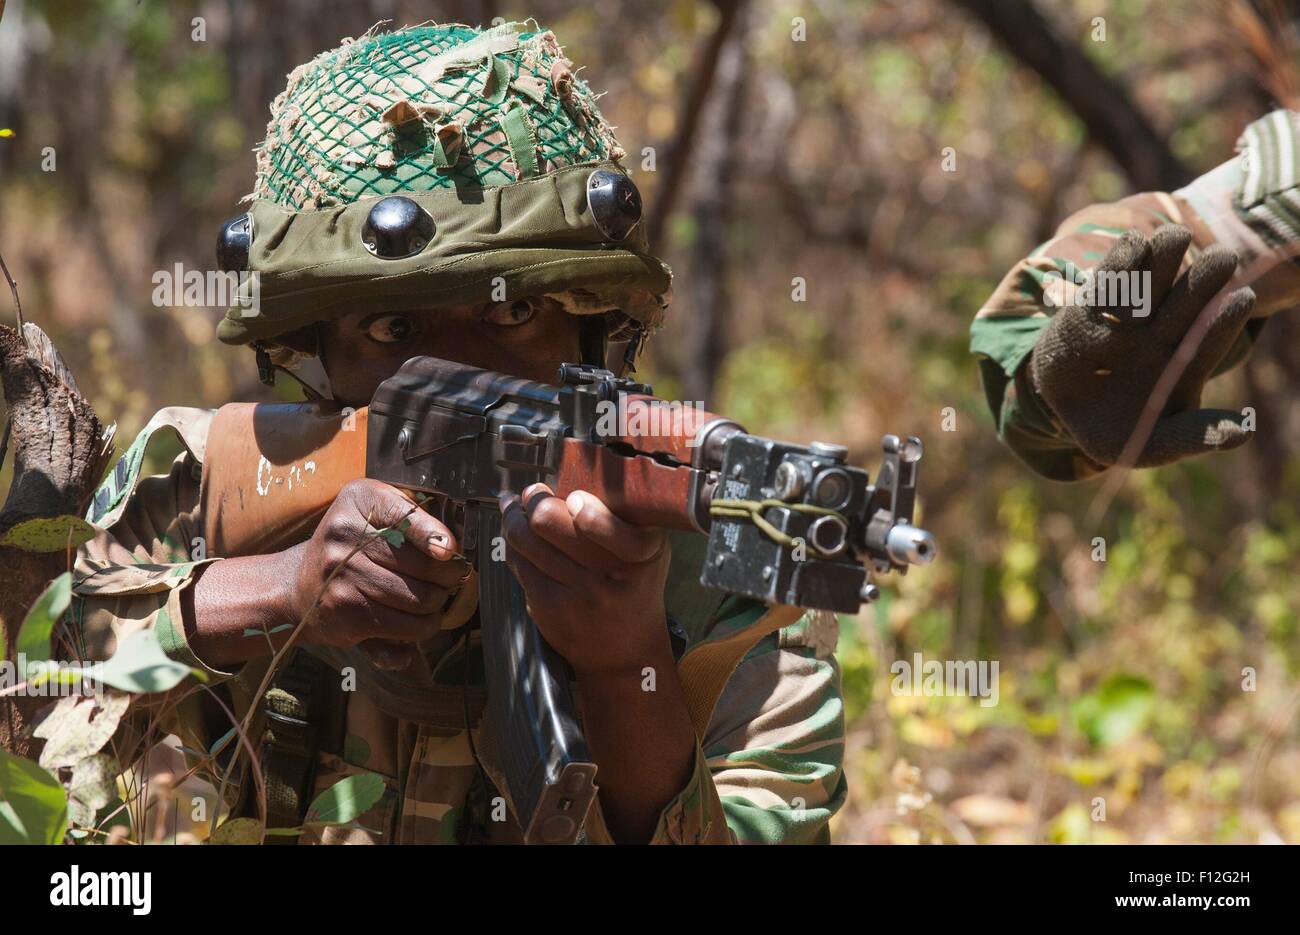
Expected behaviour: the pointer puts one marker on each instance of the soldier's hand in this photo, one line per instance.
(1097, 363)
(352, 585)
(594, 583)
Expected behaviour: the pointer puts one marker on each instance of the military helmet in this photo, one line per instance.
(438, 165)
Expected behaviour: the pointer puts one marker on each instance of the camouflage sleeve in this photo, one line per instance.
(145, 553)
(769, 768)
(1250, 204)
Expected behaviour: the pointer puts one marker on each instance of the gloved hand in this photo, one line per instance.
(1096, 364)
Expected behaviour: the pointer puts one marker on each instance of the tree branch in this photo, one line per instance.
(705, 70)
(1113, 120)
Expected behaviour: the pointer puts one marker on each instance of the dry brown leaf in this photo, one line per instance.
(988, 811)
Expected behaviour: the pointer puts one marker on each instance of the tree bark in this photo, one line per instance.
(60, 450)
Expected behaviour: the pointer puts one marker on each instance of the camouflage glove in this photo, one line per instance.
(1096, 364)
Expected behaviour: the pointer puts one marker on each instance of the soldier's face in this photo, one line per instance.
(527, 338)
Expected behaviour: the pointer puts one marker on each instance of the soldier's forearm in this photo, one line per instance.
(1229, 206)
(238, 609)
(640, 734)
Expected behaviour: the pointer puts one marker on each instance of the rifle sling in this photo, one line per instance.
(303, 716)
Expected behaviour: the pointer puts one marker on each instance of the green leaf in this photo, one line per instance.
(346, 799)
(1116, 710)
(393, 537)
(33, 805)
(38, 625)
(254, 631)
(221, 742)
(49, 671)
(49, 534)
(239, 831)
(141, 666)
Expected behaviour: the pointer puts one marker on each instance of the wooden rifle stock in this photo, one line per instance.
(272, 470)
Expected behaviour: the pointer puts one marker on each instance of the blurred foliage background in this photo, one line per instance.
(815, 133)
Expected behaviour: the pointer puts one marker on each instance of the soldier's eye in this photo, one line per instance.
(390, 329)
(510, 314)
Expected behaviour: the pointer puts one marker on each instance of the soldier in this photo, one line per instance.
(1068, 367)
(504, 264)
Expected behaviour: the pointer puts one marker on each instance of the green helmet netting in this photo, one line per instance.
(426, 108)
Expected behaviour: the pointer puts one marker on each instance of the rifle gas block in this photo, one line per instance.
(787, 524)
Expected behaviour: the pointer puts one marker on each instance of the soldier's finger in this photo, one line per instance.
(552, 520)
(1168, 246)
(406, 593)
(395, 551)
(1191, 433)
(382, 506)
(523, 540)
(1110, 291)
(400, 625)
(599, 526)
(1210, 272)
(541, 591)
(1131, 251)
(1223, 331)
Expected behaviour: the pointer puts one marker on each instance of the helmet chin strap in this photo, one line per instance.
(307, 369)
(630, 352)
(592, 340)
(311, 376)
(317, 373)
(593, 345)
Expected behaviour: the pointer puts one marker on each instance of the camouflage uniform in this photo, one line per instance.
(768, 767)
(1250, 204)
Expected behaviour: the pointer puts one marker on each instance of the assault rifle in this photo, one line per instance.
(786, 524)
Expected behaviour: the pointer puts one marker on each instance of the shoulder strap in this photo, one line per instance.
(190, 425)
(707, 666)
(710, 657)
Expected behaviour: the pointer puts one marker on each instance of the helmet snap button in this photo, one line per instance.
(233, 243)
(614, 202)
(396, 228)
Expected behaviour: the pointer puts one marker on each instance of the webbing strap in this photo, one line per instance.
(286, 763)
(706, 667)
(496, 81)
(303, 717)
(523, 142)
